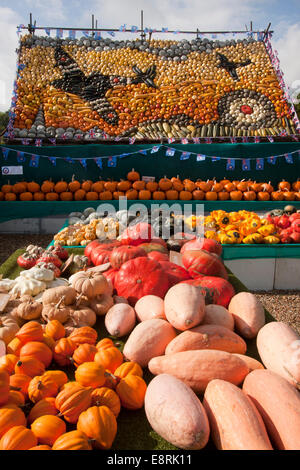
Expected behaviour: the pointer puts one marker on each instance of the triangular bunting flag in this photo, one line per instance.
(83, 162)
(20, 157)
(200, 157)
(5, 152)
(69, 160)
(52, 160)
(98, 162)
(185, 155)
(289, 158)
(34, 161)
(230, 164)
(155, 149)
(272, 160)
(184, 141)
(260, 164)
(246, 164)
(170, 152)
(112, 162)
(143, 151)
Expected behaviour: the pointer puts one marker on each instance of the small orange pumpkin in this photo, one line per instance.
(73, 440)
(98, 423)
(158, 195)
(105, 343)
(84, 334)
(48, 429)
(131, 194)
(47, 186)
(106, 195)
(27, 196)
(223, 195)
(211, 196)
(129, 367)
(106, 397)
(92, 196)
(10, 417)
(40, 387)
(98, 186)
(8, 362)
(55, 329)
(277, 195)
(18, 438)
(37, 350)
(165, 184)
(4, 387)
(86, 185)
(31, 331)
(132, 390)
(46, 406)
(79, 195)
(52, 196)
(123, 185)
(39, 196)
(84, 353)
(133, 175)
(139, 185)
(236, 195)
(109, 358)
(10, 197)
(61, 187)
(29, 366)
(263, 195)
(14, 347)
(74, 185)
(151, 186)
(90, 374)
(59, 377)
(20, 382)
(145, 194)
(72, 401)
(63, 351)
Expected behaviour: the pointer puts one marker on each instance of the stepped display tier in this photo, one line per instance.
(88, 89)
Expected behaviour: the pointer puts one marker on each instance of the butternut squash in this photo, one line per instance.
(120, 320)
(198, 368)
(279, 348)
(250, 362)
(207, 337)
(235, 422)
(248, 313)
(184, 306)
(150, 306)
(218, 315)
(278, 402)
(148, 339)
(181, 420)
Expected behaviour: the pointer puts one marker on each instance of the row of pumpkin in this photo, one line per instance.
(134, 187)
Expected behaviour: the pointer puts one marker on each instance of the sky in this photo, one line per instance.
(174, 14)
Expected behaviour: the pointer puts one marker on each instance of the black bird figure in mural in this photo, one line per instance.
(93, 88)
(231, 67)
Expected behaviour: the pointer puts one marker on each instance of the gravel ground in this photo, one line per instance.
(282, 305)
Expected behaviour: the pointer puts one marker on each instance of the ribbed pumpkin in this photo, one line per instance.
(74, 185)
(27, 196)
(48, 429)
(6, 188)
(90, 284)
(50, 342)
(47, 186)
(46, 406)
(90, 374)
(84, 353)
(111, 381)
(19, 188)
(4, 387)
(63, 351)
(37, 350)
(18, 438)
(105, 343)
(104, 396)
(127, 368)
(15, 398)
(109, 358)
(72, 401)
(132, 390)
(82, 335)
(86, 185)
(98, 423)
(145, 194)
(39, 196)
(14, 347)
(73, 440)
(10, 197)
(40, 387)
(59, 377)
(41, 447)
(165, 184)
(20, 382)
(98, 186)
(61, 186)
(29, 366)
(52, 196)
(55, 329)
(133, 175)
(79, 195)
(10, 417)
(8, 362)
(31, 331)
(66, 196)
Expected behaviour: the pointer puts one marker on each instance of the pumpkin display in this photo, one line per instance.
(84, 334)
(10, 417)
(90, 374)
(63, 351)
(8, 362)
(31, 331)
(29, 366)
(38, 350)
(106, 397)
(48, 428)
(99, 424)
(84, 353)
(58, 376)
(45, 406)
(73, 440)
(55, 330)
(109, 358)
(128, 367)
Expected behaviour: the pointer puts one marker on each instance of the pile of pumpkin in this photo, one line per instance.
(135, 188)
(42, 409)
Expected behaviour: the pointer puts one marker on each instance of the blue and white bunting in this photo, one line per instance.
(155, 149)
(59, 33)
(69, 160)
(83, 162)
(122, 28)
(21, 157)
(185, 155)
(289, 158)
(48, 31)
(259, 164)
(272, 160)
(86, 34)
(246, 164)
(98, 162)
(143, 152)
(72, 34)
(200, 157)
(52, 160)
(112, 162)
(111, 33)
(5, 152)
(170, 152)
(134, 29)
(34, 161)
(230, 164)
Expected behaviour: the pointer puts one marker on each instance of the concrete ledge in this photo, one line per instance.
(41, 226)
(287, 274)
(256, 274)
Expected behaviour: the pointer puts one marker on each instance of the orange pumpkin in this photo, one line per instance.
(106, 397)
(98, 186)
(217, 187)
(133, 175)
(127, 368)
(211, 196)
(4, 387)
(189, 185)
(284, 185)
(86, 185)
(204, 185)
(63, 351)
(73, 440)
(1, 196)
(52, 196)
(15, 398)
(171, 194)
(198, 195)
(295, 185)
(98, 423)
(10, 417)
(31, 331)
(39, 196)
(267, 187)
(109, 358)
(92, 196)
(61, 187)
(242, 186)
(223, 196)
(14, 347)
(19, 188)
(82, 335)
(84, 353)
(66, 196)
(118, 194)
(8, 362)
(47, 186)
(55, 329)
(132, 390)
(72, 401)
(185, 195)
(10, 197)
(27, 196)
(18, 438)
(263, 196)
(123, 185)
(236, 195)
(41, 447)
(37, 350)
(277, 195)
(151, 186)
(132, 194)
(40, 387)
(106, 195)
(158, 195)
(90, 374)
(139, 185)
(257, 187)
(165, 184)
(289, 195)
(110, 186)
(46, 406)
(105, 343)
(79, 195)
(145, 194)
(29, 366)
(177, 184)
(20, 382)
(74, 185)
(6, 188)
(59, 377)
(50, 342)
(48, 429)
(249, 195)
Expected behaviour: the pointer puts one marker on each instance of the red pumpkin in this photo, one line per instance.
(215, 289)
(203, 244)
(141, 276)
(174, 272)
(137, 234)
(121, 254)
(158, 256)
(159, 241)
(152, 246)
(110, 275)
(96, 246)
(205, 263)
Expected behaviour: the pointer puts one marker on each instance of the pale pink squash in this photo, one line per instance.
(198, 368)
(250, 361)
(148, 339)
(279, 348)
(120, 320)
(235, 422)
(176, 413)
(150, 306)
(278, 402)
(207, 337)
(248, 313)
(218, 315)
(184, 306)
